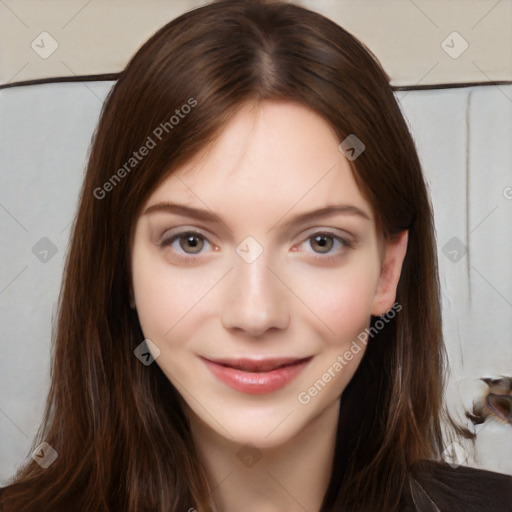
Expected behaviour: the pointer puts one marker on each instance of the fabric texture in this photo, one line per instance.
(438, 487)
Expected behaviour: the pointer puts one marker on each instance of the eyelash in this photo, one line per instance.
(326, 257)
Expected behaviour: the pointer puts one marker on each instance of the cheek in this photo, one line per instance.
(153, 294)
(166, 297)
(340, 298)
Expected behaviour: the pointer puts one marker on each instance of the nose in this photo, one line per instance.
(255, 300)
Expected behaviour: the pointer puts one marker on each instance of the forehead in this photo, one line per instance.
(271, 157)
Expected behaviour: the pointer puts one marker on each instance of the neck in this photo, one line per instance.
(293, 476)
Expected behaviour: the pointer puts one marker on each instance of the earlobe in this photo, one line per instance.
(394, 254)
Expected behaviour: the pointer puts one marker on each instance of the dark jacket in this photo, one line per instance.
(437, 487)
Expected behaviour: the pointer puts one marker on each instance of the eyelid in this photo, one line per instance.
(337, 233)
(175, 232)
(179, 230)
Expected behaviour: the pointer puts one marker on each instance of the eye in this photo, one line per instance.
(326, 243)
(187, 242)
(322, 242)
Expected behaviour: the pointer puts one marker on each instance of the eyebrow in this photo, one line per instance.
(208, 216)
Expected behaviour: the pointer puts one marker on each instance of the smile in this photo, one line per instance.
(256, 376)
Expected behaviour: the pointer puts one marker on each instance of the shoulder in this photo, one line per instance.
(438, 487)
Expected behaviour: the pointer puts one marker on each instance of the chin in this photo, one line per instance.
(263, 425)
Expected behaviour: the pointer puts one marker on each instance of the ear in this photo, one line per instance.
(393, 257)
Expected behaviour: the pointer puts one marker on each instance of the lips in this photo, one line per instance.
(259, 366)
(256, 376)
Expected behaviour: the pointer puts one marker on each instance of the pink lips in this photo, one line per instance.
(256, 376)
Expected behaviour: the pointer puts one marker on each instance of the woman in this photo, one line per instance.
(250, 313)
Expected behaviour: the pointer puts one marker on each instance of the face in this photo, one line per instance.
(255, 267)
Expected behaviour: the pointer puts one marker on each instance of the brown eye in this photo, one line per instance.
(186, 245)
(321, 243)
(190, 243)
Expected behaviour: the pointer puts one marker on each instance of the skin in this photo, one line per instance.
(273, 161)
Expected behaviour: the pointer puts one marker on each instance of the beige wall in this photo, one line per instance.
(99, 36)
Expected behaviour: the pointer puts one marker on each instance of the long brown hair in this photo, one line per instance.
(117, 425)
